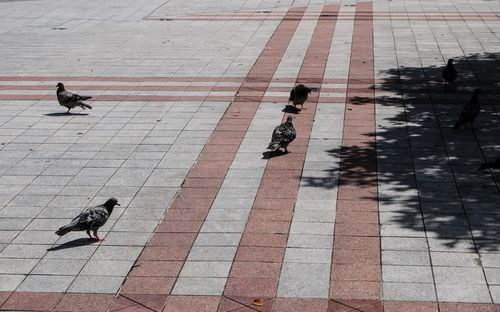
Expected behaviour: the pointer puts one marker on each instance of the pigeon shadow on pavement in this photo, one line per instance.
(271, 154)
(74, 243)
(58, 114)
(426, 172)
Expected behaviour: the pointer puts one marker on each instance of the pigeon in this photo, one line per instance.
(90, 219)
(495, 164)
(470, 110)
(283, 135)
(449, 72)
(71, 100)
(299, 95)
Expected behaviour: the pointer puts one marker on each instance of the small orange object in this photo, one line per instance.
(258, 302)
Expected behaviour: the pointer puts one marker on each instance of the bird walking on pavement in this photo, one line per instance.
(91, 219)
(283, 135)
(449, 72)
(299, 95)
(469, 111)
(70, 100)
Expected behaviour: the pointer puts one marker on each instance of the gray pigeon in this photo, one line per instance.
(449, 72)
(71, 100)
(470, 110)
(91, 219)
(495, 164)
(299, 95)
(283, 135)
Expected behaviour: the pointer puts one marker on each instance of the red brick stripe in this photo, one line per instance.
(255, 271)
(356, 271)
(161, 260)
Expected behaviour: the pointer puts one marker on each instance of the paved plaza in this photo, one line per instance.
(379, 206)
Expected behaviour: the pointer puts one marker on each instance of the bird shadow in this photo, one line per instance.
(291, 109)
(74, 243)
(271, 154)
(65, 114)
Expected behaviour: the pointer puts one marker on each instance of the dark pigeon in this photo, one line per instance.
(91, 219)
(283, 135)
(299, 95)
(449, 72)
(494, 164)
(470, 111)
(71, 100)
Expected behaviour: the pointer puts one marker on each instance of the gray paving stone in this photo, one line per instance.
(205, 269)
(409, 291)
(7, 236)
(117, 252)
(495, 293)
(10, 282)
(217, 239)
(463, 293)
(58, 267)
(208, 253)
(24, 251)
(126, 239)
(455, 259)
(304, 280)
(308, 255)
(17, 266)
(46, 283)
(223, 226)
(311, 228)
(407, 274)
(70, 252)
(107, 268)
(404, 243)
(310, 241)
(404, 257)
(457, 275)
(199, 286)
(96, 284)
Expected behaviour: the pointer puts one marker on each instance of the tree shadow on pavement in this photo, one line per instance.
(428, 182)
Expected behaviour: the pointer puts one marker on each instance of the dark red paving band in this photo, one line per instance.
(256, 269)
(356, 270)
(162, 259)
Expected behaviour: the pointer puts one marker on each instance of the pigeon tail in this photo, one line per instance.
(458, 124)
(273, 146)
(84, 106)
(64, 230)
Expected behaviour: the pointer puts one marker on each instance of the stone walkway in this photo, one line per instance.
(378, 207)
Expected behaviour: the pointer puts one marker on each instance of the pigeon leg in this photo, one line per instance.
(97, 237)
(68, 111)
(88, 233)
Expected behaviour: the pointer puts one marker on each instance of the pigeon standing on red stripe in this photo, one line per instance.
(71, 100)
(470, 111)
(283, 135)
(91, 219)
(299, 95)
(449, 72)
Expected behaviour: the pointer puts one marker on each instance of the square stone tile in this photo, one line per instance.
(308, 255)
(463, 293)
(409, 291)
(208, 253)
(96, 284)
(9, 282)
(405, 257)
(458, 275)
(58, 267)
(205, 269)
(304, 280)
(107, 268)
(407, 274)
(46, 283)
(199, 286)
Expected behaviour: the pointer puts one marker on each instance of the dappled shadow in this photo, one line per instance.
(428, 182)
(74, 243)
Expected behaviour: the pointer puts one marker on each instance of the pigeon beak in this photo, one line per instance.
(118, 204)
